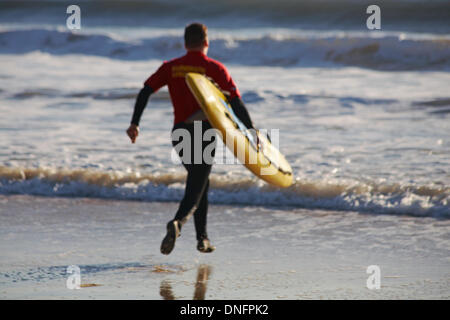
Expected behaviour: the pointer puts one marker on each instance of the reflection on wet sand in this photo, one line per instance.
(203, 273)
(165, 290)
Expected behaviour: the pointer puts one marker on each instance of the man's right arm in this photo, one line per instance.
(223, 78)
(241, 111)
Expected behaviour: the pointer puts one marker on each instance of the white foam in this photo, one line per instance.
(384, 199)
(382, 52)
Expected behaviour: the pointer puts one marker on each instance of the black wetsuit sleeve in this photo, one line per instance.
(241, 112)
(141, 103)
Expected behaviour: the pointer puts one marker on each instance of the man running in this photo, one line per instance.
(186, 111)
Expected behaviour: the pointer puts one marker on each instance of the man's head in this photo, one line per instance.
(196, 37)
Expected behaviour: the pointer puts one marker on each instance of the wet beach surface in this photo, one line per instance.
(262, 252)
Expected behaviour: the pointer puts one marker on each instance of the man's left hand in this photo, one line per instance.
(133, 132)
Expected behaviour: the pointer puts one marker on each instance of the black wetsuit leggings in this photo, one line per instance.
(195, 200)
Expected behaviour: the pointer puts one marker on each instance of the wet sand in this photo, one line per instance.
(262, 252)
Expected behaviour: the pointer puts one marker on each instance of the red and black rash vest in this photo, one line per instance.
(172, 73)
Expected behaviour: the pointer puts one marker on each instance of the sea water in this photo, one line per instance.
(363, 116)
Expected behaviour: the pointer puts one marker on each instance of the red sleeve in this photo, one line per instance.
(222, 77)
(158, 79)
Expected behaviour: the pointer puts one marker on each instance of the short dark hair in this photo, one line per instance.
(195, 35)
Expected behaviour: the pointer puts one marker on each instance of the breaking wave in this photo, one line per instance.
(380, 53)
(369, 197)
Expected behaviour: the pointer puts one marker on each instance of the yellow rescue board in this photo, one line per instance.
(263, 159)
